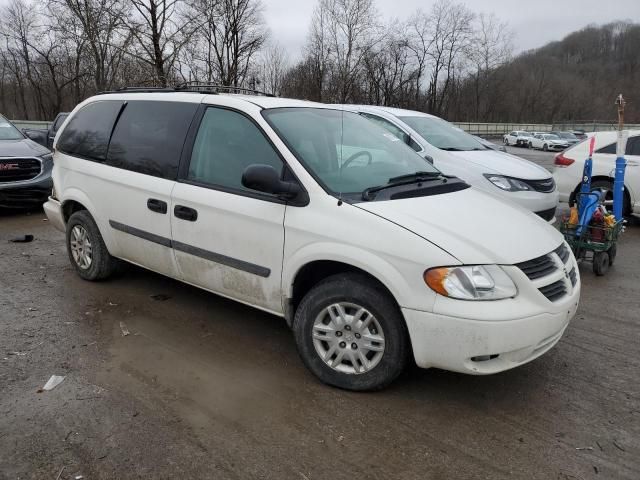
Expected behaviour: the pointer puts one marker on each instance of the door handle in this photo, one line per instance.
(156, 205)
(185, 213)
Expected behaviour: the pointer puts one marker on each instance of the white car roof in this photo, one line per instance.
(398, 112)
(194, 97)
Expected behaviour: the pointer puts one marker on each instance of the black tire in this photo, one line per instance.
(545, 147)
(612, 252)
(361, 290)
(600, 263)
(530, 145)
(505, 141)
(608, 186)
(102, 263)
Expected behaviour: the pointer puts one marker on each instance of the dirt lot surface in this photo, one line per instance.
(203, 387)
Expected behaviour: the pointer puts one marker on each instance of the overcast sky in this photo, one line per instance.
(535, 22)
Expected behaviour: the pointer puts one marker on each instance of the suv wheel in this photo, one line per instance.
(351, 334)
(506, 141)
(87, 251)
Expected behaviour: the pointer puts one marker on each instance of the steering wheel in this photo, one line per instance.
(356, 155)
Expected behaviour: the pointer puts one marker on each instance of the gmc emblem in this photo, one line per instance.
(9, 166)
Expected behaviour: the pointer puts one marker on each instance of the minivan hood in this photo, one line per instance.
(493, 161)
(21, 148)
(473, 226)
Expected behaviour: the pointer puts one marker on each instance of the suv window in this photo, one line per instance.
(87, 133)
(226, 144)
(394, 130)
(633, 147)
(149, 137)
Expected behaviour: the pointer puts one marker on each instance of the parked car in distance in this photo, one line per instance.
(384, 256)
(547, 141)
(580, 134)
(45, 136)
(569, 137)
(569, 166)
(25, 169)
(490, 144)
(519, 138)
(455, 152)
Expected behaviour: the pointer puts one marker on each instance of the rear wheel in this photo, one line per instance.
(600, 263)
(351, 334)
(607, 187)
(545, 147)
(612, 252)
(86, 249)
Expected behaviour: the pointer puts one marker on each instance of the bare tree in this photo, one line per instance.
(273, 65)
(100, 24)
(158, 35)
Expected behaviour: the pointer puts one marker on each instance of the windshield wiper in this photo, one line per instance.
(408, 179)
(452, 149)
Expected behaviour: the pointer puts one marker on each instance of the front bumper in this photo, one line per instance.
(53, 210)
(481, 347)
(27, 194)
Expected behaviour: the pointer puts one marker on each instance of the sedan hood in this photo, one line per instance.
(492, 161)
(473, 226)
(21, 148)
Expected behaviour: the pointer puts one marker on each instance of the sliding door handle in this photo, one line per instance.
(185, 213)
(156, 205)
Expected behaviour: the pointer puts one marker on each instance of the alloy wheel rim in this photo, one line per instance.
(81, 249)
(348, 338)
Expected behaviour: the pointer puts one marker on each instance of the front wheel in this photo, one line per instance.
(505, 141)
(545, 147)
(350, 333)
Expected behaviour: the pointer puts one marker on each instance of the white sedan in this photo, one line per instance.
(548, 141)
(519, 138)
(570, 164)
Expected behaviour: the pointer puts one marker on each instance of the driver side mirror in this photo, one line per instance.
(36, 136)
(265, 178)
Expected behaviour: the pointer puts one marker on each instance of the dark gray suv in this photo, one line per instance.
(25, 169)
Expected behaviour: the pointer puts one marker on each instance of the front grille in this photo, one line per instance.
(545, 186)
(554, 291)
(538, 267)
(547, 214)
(563, 252)
(18, 169)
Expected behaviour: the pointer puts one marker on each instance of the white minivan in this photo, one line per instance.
(319, 216)
(455, 152)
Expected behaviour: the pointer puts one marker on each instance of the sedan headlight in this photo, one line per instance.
(476, 282)
(507, 183)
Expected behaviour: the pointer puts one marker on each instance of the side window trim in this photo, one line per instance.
(187, 150)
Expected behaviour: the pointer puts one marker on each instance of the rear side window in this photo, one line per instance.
(633, 147)
(87, 133)
(149, 137)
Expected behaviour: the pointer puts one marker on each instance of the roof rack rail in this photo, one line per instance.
(206, 87)
(191, 87)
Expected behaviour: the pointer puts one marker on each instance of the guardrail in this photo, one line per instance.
(497, 129)
(30, 124)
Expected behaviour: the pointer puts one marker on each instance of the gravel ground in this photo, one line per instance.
(203, 387)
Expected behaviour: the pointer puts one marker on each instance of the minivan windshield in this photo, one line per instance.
(443, 135)
(8, 131)
(346, 152)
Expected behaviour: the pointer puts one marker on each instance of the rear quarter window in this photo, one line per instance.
(87, 133)
(149, 137)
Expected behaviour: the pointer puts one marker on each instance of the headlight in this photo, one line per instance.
(478, 282)
(507, 183)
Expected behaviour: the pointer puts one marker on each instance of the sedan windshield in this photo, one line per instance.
(567, 135)
(551, 137)
(8, 131)
(443, 135)
(346, 152)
